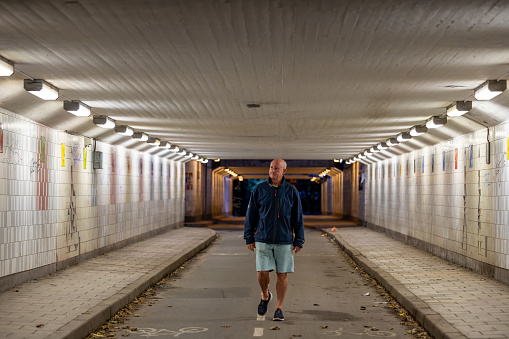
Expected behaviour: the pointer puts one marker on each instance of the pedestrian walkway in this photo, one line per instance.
(448, 300)
(74, 302)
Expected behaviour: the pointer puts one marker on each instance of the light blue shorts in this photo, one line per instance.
(270, 256)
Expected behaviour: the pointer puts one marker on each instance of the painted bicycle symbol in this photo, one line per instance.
(381, 334)
(152, 332)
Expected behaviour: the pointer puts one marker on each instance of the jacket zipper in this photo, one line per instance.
(276, 218)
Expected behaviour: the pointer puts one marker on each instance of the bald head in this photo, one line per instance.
(277, 171)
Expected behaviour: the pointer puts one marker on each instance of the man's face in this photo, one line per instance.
(276, 170)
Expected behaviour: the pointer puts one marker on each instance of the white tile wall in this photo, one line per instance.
(31, 236)
(463, 209)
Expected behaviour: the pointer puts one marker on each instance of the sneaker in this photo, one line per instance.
(262, 306)
(278, 315)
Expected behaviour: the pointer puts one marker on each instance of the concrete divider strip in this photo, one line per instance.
(432, 321)
(89, 321)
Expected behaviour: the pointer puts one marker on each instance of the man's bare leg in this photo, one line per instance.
(281, 286)
(264, 280)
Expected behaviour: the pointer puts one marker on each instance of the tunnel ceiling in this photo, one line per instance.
(331, 78)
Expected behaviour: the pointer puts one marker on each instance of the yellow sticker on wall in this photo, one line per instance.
(85, 158)
(507, 146)
(399, 169)
(63, 155)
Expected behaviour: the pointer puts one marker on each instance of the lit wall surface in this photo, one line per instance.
(448, 196)
(54, 206)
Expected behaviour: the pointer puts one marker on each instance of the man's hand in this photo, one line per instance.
(297, 249)
(251, 247)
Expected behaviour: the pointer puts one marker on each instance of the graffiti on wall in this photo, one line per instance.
(113, 194)
(41, 167)
(72, 235)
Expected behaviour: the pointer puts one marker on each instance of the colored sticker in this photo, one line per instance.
(43, 149)
(399, 169)
(63, 155)
(85, 158)
(423, 164)
(443, 161)
(471, 155)
(455, 158)
(1, 138)
(507, 146)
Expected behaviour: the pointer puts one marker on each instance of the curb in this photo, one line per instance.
(86, 323)
(432, 321)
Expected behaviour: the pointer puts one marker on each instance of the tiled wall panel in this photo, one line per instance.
(53, 208)
(448, 195)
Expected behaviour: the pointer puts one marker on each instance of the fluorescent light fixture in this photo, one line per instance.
(104, 121)
(490, 89)
(205, 161)
(392, 142)
(41, 89)
(175, 149)
(360, 156)
(382, 145)
(165, 144)
(140, 136)
(196, 157)
(367, 153)
(374, 149)
(189, 155)
(336, 160)
(402, 137)
(459, 108)
(124, 130)
(436, 122)
(217, 160)
(183, 152)
(418, 130)
(153, 141)
(6, 67)
(77, 108)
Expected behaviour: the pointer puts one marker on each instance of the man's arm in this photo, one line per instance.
(297, 222)
(251, 222)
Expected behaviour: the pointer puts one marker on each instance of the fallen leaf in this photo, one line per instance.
(325, 326)
(363, 308)
(169, 306)
(274, 328)
(225, 326)
(296, 335)
(366, 294)
(39, 325)
(374, 329)
(137, 315)
(316, 305)
(134, 329)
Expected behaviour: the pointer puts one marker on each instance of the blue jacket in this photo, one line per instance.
(274, 216)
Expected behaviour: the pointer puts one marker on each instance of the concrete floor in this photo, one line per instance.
(217, 294)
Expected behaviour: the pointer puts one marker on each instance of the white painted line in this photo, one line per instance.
(230, 253)
(260, 318)
(258, 332)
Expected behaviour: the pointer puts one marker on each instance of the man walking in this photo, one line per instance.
(274, 226)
